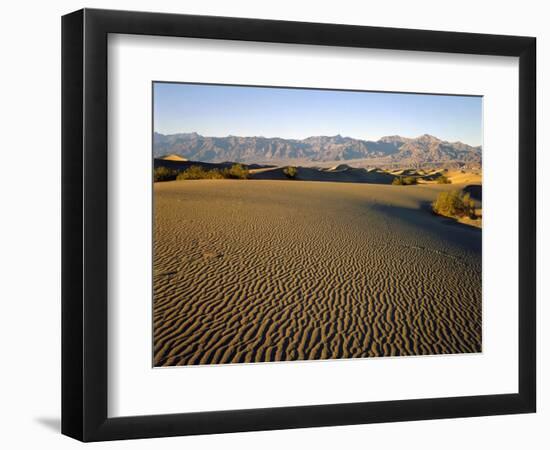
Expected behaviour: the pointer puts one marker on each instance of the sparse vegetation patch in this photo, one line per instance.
(236, 171)
(454, 204)
(404, 181)
(164, 174)
(198, 173)
(290, 172)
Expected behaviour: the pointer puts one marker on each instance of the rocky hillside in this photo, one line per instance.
(423, 150)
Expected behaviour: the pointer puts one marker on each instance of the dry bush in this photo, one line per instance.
(164, 174)
(443, 180)
(237, 171)
(194, 173)
(404, 181)
(454, 204)
(290, 172)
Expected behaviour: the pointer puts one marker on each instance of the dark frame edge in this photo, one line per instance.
(72, 323)
(170, 425)
(527, 289)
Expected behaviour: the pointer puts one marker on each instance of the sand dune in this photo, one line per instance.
(253, 271)
(173, 157)
(466, 177)
(341, 173)
(339, 168)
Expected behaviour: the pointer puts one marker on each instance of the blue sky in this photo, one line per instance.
(217, 110)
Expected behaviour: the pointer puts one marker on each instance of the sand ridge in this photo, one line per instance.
(260, 270)
(173, 157)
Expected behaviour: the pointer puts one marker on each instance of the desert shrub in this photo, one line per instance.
(404, 181)
(397, 181)
(215, 174)
(237, 171)
(290, 172)
(442, 179)
(198, 173)
(193, 173)
(164, 174)
(454, 204)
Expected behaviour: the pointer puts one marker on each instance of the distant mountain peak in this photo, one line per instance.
(428, 137)
(394, 149)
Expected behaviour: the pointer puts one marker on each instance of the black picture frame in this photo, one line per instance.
(84, 224)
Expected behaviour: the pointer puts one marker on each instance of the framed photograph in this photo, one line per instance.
(273, 225)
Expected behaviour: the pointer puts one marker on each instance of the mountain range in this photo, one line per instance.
(389, 150)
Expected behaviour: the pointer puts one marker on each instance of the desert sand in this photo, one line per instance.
(263, 270)
(173, 157)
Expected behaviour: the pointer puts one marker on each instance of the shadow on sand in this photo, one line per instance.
(445, 229)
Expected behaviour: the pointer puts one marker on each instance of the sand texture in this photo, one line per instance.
(261, 270)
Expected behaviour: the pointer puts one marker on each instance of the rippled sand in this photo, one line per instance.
(254, 271)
